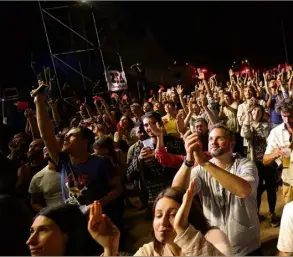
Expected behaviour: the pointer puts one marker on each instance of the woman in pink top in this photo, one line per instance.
(179, 228)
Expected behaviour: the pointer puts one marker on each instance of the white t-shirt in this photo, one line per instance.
(47, 182)
(285, 241)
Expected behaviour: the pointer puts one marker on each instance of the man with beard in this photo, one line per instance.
(45, 186)
(28, 170)
(136, 182)
(228, 184)
(84, 177)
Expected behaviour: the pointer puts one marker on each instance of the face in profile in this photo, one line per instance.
(236, 95)
(165, 212)
(288, 119)
(35, 150)
(124, 122)
(46, 238)
(73, 141)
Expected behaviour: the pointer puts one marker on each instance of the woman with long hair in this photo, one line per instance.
(61, 231)
(179, 228)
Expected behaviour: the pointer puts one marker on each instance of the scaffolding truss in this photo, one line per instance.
(55, 57)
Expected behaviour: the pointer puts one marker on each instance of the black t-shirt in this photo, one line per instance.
(86, 182)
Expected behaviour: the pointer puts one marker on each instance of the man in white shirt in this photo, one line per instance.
(285, 241)
(228, 184)
(281, 137)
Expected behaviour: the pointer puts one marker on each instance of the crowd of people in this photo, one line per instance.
(199, 162)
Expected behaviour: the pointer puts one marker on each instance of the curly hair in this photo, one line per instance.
(285, 105)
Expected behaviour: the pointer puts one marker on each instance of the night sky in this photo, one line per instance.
(213, 34)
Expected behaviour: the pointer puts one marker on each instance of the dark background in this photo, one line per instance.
(209, 34)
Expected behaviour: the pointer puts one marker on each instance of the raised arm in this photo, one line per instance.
(180, 94)
(55, 112)
(211, 116)
(32, 123)
(182, 177)
(46, 128)
(237, 185)
(107, 110)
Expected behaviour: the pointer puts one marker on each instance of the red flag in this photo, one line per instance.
(22, 105)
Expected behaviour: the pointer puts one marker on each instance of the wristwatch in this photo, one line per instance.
(188, 163)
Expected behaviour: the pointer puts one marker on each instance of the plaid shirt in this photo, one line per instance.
(154, 176)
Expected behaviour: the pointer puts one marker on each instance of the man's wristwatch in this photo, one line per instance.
(189, 164)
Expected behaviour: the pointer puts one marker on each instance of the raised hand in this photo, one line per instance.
(204, 101)
(179, 89)
(200, 74)
(190, 103)
(52, 103)
(231, 73)
(157, 130)
(102, 230)
(28, 113)
(181, 219)
(180, 122)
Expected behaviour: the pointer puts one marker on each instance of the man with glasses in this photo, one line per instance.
(280, 145)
